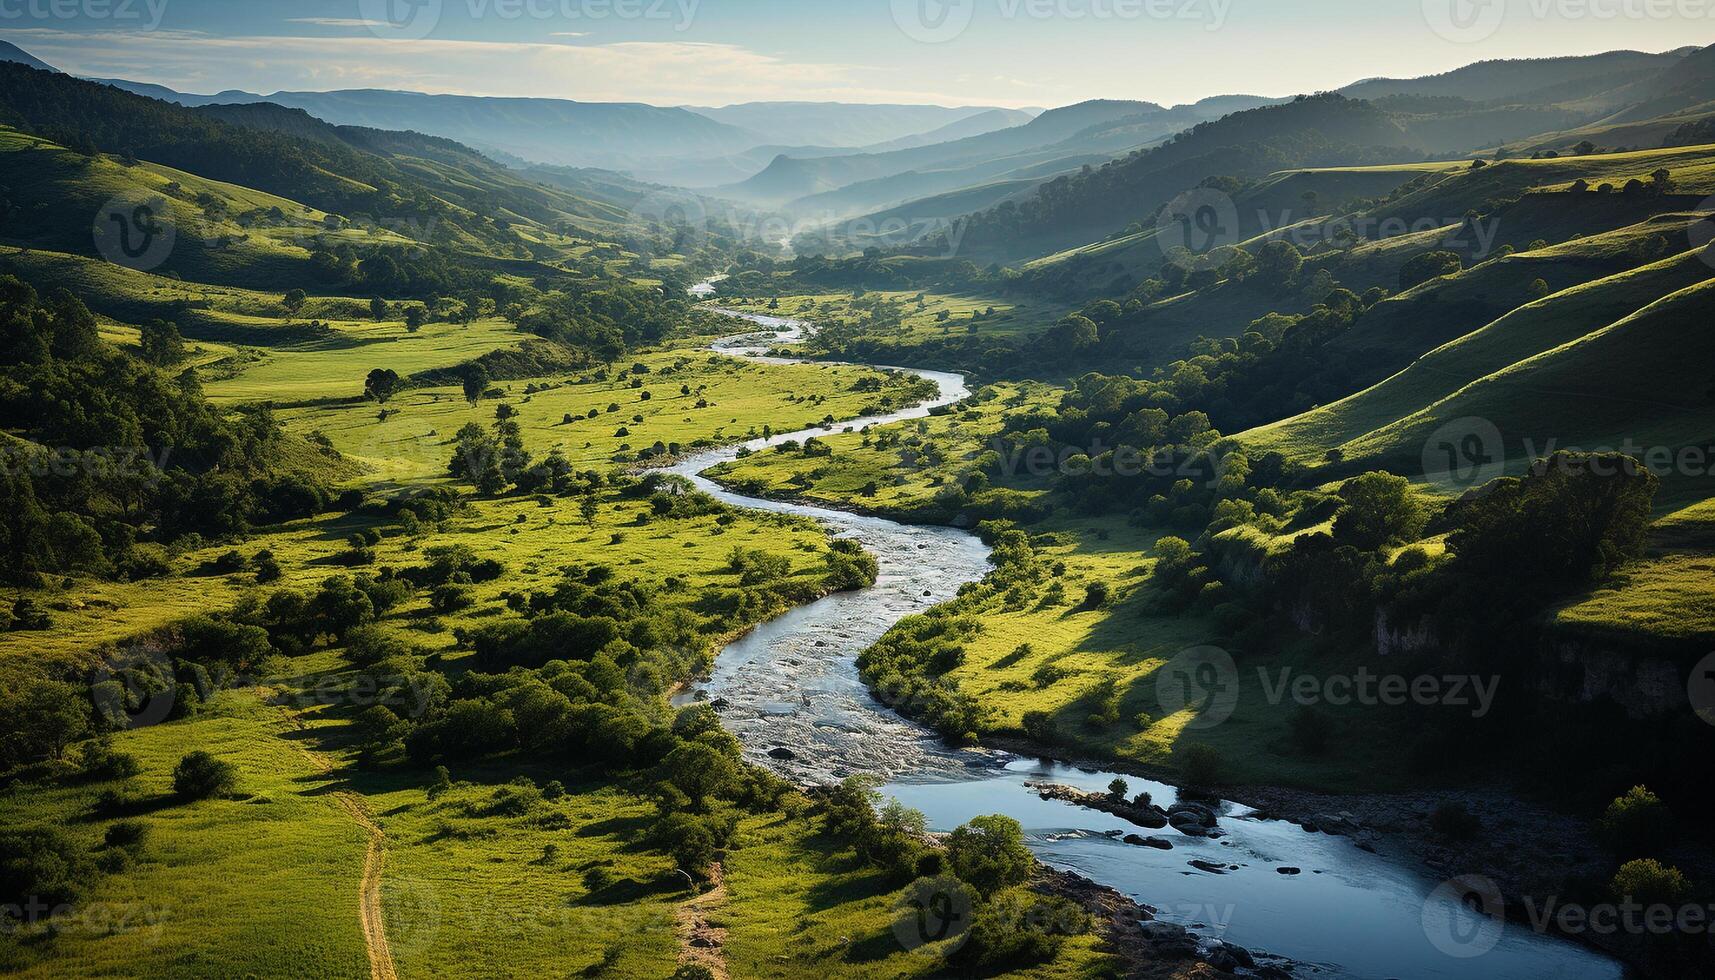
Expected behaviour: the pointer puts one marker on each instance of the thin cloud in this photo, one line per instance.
(660, 72)
(334, 22)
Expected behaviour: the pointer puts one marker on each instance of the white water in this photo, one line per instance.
(792, 684)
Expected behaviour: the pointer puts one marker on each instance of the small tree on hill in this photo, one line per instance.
(162, 344)
(381, 384)
(200, 775)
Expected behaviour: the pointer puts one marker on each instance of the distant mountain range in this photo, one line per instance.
(1111, 162)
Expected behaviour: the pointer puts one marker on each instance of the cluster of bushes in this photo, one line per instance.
(115, 457)
(906, 668)
(964, 890)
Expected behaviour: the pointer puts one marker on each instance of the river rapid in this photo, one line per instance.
(790, 691)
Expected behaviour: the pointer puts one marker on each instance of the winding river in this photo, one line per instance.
(790, 691)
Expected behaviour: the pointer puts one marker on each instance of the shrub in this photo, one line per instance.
(97, 760)
(369, 645)
(1200, 764)
(200, 775)
(1649, 882)
(989, 853)
(1018, 930)
(44, 864)
(1095, 595)
(450, 598)
(129, 835)
(1636, 823)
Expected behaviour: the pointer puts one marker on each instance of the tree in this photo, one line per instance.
(1278, 263)
(475, 383)
(1584, 148)
(378, 308)
(1380, 509)
(699, 771)
(414, 318)
(293, 300)
(1429, 265)
(1661, 180)
(163, 346)
(1073, 334)
(200, 775)
(989, 854)
(40, 719)
(381, 384)
(1572, 520)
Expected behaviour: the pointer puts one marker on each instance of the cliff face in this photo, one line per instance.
(1646, 683)
(1580, 671)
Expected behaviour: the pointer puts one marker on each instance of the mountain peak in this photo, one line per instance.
(11, 52)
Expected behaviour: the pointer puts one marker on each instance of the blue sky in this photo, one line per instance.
(713, 52)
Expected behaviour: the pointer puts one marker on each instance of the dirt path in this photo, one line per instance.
(701, 942)
(369, 889)
(369, 892)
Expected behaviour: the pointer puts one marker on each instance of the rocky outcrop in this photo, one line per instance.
(1402, 639)
(1645, 685)
(1135, 811)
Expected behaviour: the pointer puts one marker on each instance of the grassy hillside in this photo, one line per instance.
(1529, 330)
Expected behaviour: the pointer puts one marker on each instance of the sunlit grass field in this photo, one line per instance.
(742, 399)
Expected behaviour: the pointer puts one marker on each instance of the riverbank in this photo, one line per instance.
(791, 693)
